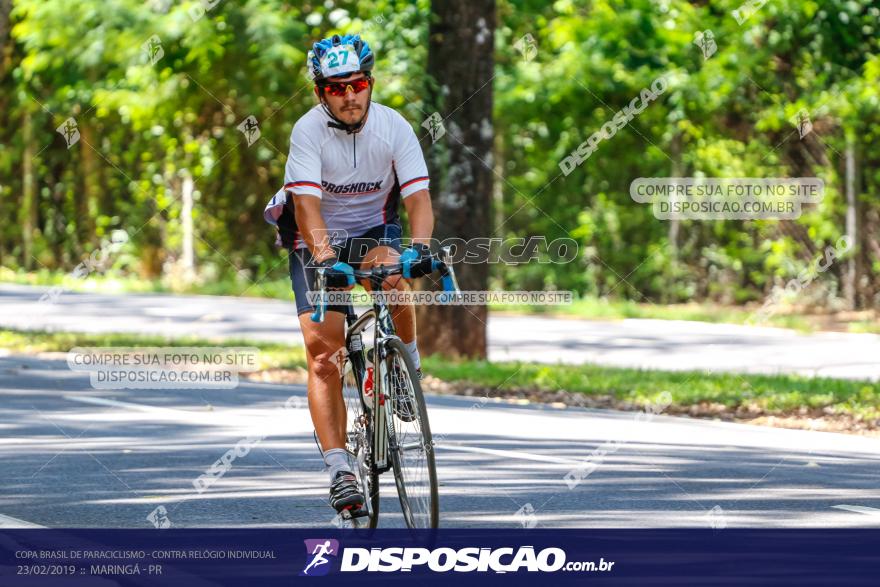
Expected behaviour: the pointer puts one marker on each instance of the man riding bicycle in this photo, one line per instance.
(351, 162)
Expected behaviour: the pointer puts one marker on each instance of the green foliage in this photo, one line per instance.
(146, 127)
(725, 116)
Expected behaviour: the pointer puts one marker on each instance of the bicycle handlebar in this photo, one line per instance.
(439, 262)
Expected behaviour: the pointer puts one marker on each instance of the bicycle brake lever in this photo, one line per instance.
(318, 314)
(450, 283)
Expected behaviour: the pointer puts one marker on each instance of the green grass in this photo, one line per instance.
(777, 394)
(583, 308)
(271, 355)
(865, 326)
(279, 288)
(603, 309)
(113, 283)
(769, 393)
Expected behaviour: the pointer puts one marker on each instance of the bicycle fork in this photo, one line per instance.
(384, 437)
(376, 408)
(380, 416)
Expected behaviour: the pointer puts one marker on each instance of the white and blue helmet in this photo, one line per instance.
(339, 56)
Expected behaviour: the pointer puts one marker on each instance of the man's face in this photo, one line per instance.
(350, 107)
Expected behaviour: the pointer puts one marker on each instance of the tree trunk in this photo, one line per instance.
(91, 178)
(674, 224)
(9, 234)
(850, 277)
(29, 196)
(461, 61)
(186, 217)
(5, 48)
(498, 196)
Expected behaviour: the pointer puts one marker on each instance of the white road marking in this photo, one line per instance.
(277, 420)
(859, 509)
(511, 454)
(103, 401)
(8, 523)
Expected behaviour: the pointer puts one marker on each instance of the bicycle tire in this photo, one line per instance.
(358, 441)
(427, 516)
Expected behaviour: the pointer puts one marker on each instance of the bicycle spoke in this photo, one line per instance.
(416, 483)
(358, 443)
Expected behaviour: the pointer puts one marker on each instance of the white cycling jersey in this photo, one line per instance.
(360, 177)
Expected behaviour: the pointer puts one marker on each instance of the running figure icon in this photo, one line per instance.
(319, 551)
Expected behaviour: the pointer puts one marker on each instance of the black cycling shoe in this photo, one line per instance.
(345, 494)
(404, 406)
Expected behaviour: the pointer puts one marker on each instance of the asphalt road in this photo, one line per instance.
(74, 456)
(653, 344)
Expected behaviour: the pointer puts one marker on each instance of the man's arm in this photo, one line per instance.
(421, 216)
(412, 173)
(302, 177)
(311, 226)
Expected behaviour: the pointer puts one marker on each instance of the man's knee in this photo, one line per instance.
(327, 364)
(385, 255)
(325, 344)
(396, 282)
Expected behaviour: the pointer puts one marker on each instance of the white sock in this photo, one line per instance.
(414, 353)
(337, 460)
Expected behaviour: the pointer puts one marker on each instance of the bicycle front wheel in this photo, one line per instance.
(411, 447)
(358, 442)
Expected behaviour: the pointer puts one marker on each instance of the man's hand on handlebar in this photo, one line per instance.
(441, 262)
(417, 261)
(337, 275)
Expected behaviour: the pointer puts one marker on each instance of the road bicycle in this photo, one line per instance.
(386, 418)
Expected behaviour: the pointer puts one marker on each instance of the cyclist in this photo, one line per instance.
(351, 162)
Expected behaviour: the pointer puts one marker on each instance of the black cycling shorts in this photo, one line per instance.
(352, 251)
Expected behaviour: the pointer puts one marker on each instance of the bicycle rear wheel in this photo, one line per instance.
(411, 447)
(358, 443)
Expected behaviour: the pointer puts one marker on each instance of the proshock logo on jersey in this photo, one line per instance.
(363, 187)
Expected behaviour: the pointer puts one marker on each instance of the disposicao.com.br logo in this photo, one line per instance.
(443, 559)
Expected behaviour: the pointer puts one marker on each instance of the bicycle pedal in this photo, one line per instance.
(351, 514)
(347, 522)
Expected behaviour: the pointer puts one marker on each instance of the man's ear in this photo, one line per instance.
(320, 95)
